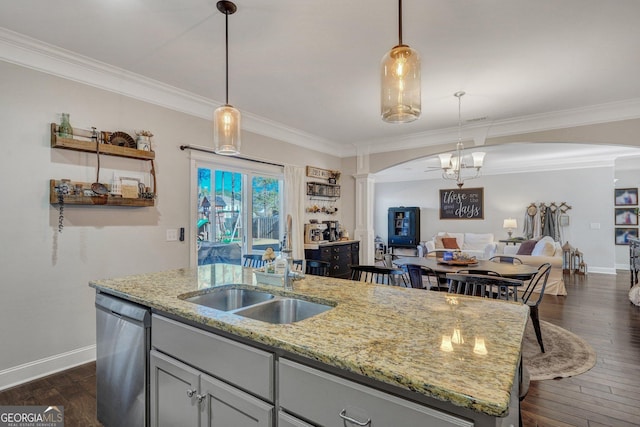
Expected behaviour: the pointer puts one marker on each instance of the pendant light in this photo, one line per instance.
(226, 119)
(400, 81)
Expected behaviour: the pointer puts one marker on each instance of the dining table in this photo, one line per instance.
(441, 267)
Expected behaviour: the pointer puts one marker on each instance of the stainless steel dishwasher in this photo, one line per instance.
(123, 335)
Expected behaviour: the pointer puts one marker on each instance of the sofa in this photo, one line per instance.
(480, 245)
(542, 251)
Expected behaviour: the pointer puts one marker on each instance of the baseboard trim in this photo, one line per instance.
(40, 368)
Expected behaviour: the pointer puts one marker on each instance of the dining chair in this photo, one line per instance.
(378, 274)
(483, 285)
(533, 297)
(506, 259)
(317, 268)
(253, 260)
(414, 272)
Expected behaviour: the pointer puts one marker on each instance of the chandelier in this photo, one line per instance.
(454, 166)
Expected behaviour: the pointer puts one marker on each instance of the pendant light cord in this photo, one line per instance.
(399, 22)
(226, 49)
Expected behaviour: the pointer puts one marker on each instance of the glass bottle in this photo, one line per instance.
(65, 130)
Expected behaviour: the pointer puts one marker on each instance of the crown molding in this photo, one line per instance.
(30, 53)
(562, 119)
(27, 52)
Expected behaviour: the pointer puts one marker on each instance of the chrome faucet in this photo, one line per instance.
(289, 275)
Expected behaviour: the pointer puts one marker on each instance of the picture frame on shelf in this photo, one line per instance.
(626, 196)
(623, 234)
(626, 216)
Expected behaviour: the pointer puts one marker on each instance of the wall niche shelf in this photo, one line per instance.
(78, 189)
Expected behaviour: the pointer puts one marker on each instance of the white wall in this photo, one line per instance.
(46, 307)
(588, 191)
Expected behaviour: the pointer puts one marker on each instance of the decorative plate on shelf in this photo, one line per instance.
(122, 139)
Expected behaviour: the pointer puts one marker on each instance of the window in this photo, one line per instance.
(238, 210)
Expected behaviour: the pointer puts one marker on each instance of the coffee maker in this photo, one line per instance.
(332, 232)
(314, 233)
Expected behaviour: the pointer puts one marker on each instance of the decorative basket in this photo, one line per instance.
(269, 278)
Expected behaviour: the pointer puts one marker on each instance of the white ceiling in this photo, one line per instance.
(313, 66)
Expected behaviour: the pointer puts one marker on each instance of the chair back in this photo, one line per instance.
(539, 281)
(483, 285)
(415, 275)
(253, 260)
(506, 259)
(377, 274)
(317, 268)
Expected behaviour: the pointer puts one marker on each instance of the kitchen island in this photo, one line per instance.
(400, 343)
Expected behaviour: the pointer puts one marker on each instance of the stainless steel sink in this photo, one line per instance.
(230, 299)
(284, 310)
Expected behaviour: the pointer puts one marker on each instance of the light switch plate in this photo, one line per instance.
(172, 235)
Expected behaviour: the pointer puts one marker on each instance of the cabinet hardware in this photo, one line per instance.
(200, 397)
(191, 392)
(343, 415)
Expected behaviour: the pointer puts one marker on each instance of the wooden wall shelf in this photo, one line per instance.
(90, 147)
(108, 200)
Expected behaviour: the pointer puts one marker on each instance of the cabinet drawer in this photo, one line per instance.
(327, 400)
(216, 355)
(286, 420)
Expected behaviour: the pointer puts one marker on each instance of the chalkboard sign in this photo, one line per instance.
(467, 203)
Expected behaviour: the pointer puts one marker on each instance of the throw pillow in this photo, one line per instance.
(526, 247)
(450, 243)
(544, 247)
(438, 242)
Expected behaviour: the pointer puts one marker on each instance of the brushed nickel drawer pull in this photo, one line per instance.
(343, 415)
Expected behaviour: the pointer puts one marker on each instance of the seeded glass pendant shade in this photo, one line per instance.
(226, 130)
(400, 100)
(226, 119)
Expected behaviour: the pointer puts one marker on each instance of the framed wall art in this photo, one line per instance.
(462, 203)
(624, 234)
(626, 196)
(626, 216)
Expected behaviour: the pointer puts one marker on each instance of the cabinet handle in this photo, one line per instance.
(200, 397)
(343, 415)
(191, 392)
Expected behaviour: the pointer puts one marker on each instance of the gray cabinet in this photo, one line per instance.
(328, 400)
(202, 379)
(174, 387)
(184, 396)
(286, 420)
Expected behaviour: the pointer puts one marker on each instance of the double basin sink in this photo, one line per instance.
(259, 305)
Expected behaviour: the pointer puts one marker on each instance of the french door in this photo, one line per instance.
(237, 209)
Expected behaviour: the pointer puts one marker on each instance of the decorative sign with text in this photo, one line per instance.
(467, 203)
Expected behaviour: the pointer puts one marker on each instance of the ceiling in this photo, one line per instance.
(312, 67)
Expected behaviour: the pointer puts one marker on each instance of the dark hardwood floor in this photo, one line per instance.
(597, 308)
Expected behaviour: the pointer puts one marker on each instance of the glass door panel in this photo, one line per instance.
(266, 205)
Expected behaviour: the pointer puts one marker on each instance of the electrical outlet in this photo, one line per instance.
(172, 235)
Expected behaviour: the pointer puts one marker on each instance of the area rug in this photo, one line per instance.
(566, 354)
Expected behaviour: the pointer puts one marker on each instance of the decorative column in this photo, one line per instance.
(364, 231)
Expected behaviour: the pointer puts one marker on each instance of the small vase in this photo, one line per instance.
(143, 143)
(65, 130)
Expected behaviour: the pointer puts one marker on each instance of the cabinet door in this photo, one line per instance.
(286, 420)
(174, 389)
(226, 406)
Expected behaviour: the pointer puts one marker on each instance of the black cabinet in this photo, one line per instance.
(339, 256)
(404, 227)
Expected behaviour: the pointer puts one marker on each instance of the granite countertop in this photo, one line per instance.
(399, 336)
